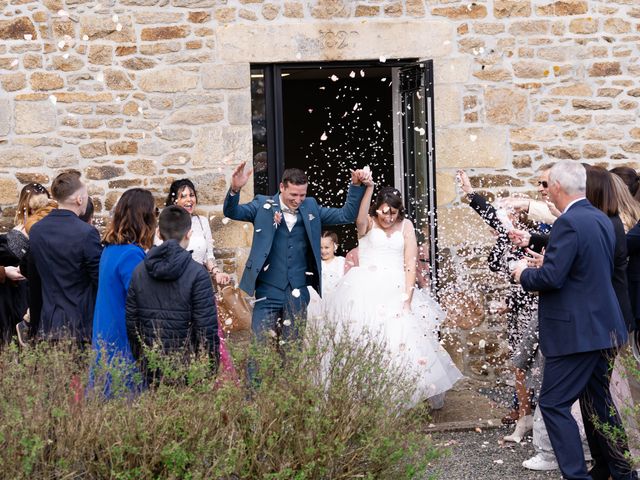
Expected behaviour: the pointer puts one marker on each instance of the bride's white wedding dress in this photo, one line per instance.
(370, 297)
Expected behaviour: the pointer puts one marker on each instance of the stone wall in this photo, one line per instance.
(139, 92)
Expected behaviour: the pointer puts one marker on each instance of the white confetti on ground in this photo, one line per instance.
(323, 137)
(334, 78)
(225, 220)
(286, 322)
(383, 59)
(295, 293)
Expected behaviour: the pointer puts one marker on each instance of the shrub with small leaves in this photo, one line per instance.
(326, 407)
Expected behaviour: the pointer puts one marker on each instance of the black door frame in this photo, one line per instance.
(275, 129)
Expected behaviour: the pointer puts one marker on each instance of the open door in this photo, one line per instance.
(417, 171)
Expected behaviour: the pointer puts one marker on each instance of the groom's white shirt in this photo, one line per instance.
(289, 218)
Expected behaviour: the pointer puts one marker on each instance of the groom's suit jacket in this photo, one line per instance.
(578, 309)
(261, 212)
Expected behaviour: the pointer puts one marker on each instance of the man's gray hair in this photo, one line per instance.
(571, 176)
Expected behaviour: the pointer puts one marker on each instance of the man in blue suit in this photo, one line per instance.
(66, 253)
(581, 323)
(285, 252)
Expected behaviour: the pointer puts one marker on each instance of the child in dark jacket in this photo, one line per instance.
(170, 302)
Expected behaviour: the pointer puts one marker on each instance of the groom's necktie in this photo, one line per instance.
(292, 211)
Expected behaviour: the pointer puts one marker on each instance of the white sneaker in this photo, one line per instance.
(538, 462)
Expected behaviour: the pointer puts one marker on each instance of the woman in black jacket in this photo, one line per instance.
(601, 194)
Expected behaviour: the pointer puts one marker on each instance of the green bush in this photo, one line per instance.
(321, 410)
(629, 412)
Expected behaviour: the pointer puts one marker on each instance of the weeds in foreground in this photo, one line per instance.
(627, 367)
(322, 410)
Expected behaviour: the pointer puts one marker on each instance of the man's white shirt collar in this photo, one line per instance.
(289, 218)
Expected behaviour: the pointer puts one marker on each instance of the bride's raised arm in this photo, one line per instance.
(363, 221)
(410, 255)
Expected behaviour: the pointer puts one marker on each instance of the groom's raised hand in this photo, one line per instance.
(240, 176)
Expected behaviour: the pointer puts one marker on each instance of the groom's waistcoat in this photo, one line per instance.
(287, 261)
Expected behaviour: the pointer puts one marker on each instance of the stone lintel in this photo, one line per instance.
(327, 41)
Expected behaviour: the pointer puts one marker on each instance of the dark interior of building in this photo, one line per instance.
(334, 120)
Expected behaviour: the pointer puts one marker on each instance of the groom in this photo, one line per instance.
(285, 252)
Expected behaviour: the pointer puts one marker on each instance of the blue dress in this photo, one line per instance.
(109, 339)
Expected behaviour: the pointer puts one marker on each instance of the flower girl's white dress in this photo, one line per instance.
(370, 298)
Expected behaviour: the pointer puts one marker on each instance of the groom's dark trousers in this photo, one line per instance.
(580, 324)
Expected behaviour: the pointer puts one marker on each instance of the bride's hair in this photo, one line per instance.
(391, 196)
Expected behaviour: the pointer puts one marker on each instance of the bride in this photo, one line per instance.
(379, 297)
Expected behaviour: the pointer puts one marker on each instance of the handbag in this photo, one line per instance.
(234, 311)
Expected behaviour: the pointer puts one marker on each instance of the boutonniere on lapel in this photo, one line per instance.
(311, 217)
(277, 218)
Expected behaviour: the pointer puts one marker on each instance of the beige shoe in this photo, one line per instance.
(523, 426)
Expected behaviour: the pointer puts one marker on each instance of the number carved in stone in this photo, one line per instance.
(337, 39)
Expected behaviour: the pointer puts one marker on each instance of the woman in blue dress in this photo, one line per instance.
(127, 238)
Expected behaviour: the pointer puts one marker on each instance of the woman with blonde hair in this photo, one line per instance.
(628, 206)
(127, 238)
(14, 245)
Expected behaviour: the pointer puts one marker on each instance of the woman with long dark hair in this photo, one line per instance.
(601, 192)
(378, 297)
(127, 238)
(183, 193)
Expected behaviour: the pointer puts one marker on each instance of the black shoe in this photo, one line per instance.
(600, 472)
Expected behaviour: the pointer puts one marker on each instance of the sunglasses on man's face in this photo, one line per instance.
(543, 183)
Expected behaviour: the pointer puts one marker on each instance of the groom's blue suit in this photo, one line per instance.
(581, 325)
(282, 263)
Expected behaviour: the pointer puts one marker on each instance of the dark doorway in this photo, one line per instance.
(335, 120)
(329, 118)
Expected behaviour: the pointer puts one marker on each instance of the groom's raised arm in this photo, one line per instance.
(348, 212)
(233, 210)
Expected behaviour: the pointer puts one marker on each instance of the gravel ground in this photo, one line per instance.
(482, 455)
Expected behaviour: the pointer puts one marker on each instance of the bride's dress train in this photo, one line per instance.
(370, 297)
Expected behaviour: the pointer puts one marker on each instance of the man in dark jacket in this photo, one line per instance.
(66, 252)
(170, 301)
(581, 325)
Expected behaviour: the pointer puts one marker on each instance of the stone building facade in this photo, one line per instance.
(140, 92)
